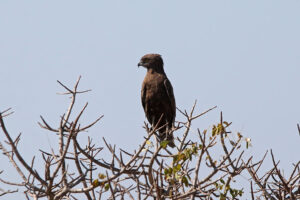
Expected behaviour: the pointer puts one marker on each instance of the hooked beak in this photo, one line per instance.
(140, 64)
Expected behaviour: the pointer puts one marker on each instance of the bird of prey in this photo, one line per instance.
(157, 97)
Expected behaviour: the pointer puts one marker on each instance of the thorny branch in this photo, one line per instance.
(204, 165)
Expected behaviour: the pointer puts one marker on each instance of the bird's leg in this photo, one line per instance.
(169, 135)
(153, 126)
(167, 131)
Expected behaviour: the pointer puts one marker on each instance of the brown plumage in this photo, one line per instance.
(157, 97)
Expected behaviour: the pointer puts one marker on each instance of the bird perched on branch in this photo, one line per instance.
(158, 98)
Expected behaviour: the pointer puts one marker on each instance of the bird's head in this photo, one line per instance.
(152, 61)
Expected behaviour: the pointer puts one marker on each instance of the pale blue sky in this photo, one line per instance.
(242, 56)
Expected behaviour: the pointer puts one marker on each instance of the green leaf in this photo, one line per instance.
(241, 192)
(181, 157)
(177, 176)
(231, 192)
(164, 143)
(175, 158)
(214, 130)
(168, 171)
(95, 183)
(101, 176)
(185, 181)
(195, 150)
(177, 168)
(106, 187)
